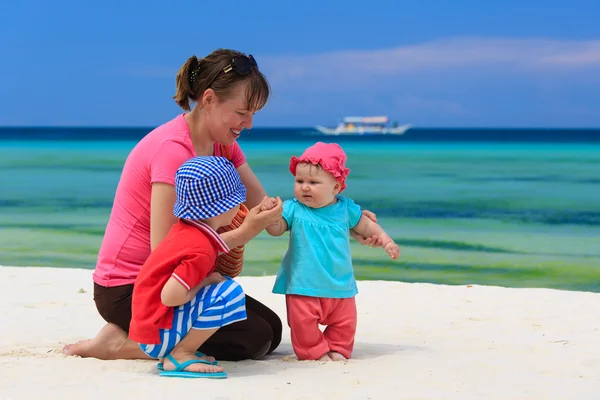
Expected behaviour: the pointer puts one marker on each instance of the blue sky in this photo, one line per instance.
(429, 63)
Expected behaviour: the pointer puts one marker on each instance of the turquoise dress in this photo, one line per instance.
(318, 262)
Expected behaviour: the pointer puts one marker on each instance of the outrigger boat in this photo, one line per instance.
(364, 126)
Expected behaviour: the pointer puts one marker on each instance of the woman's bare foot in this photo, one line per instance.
(67, 349)
(335, 356)
(110, 343)
(325, 358)
(183, 357)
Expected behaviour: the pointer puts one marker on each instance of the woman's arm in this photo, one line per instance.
(255, 193)
(162, 218)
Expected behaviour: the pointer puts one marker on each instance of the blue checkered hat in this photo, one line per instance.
(206, 187)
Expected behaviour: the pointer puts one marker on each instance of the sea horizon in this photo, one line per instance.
(414, 134)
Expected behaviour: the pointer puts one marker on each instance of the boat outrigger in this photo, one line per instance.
(364, 126)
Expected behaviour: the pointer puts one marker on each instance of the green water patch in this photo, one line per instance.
(476, 247)
(441, 244)
(57, 228)
(495, 209)
(464, 275)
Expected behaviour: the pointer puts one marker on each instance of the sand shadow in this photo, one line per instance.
(283, 359)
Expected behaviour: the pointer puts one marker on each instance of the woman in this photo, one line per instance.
(228, 89)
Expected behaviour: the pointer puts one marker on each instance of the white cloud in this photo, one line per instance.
(532, 54)
(455, 81)
(528, 54)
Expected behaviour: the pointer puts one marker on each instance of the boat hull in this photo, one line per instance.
(359, 131)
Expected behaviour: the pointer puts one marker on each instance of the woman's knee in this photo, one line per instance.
(114, 304)
(266, 314)
(262, 340)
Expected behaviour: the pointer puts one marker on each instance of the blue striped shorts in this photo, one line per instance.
(213, 306)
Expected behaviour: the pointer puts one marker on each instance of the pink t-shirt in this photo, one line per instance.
(156, 158)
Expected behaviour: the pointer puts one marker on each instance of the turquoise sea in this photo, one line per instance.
(503, 207)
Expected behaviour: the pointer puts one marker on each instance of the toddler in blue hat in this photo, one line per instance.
(179, 300)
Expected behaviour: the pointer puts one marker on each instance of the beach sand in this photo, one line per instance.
(414, 341)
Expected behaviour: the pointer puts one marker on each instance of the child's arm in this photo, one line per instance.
(196, 266)
(174, 294)
(278, 229)
(367, 228)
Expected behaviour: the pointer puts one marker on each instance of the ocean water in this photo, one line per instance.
(517, 208)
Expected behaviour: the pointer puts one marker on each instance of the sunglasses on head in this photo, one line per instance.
(241, 64)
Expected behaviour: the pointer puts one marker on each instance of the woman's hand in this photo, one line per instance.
(373, 241)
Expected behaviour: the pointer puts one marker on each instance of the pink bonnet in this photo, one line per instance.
(329, 156)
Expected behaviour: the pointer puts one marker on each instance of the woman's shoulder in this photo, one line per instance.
(170, 137)
(175, 130)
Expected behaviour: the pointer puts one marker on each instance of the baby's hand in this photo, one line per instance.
(268, 204)
(392, 249)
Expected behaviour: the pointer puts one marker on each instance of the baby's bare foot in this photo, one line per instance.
(335, 356)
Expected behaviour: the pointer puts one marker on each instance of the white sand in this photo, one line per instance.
(414, 341)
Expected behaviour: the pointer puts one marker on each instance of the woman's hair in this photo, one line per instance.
(197, 75)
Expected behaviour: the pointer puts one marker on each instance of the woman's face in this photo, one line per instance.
(226, 118)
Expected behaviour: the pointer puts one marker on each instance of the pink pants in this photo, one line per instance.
(305, 314)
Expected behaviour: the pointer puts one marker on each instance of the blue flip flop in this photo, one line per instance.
(180, 373)
(199, 354)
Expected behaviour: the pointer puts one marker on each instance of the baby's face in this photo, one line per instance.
(314, 187)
